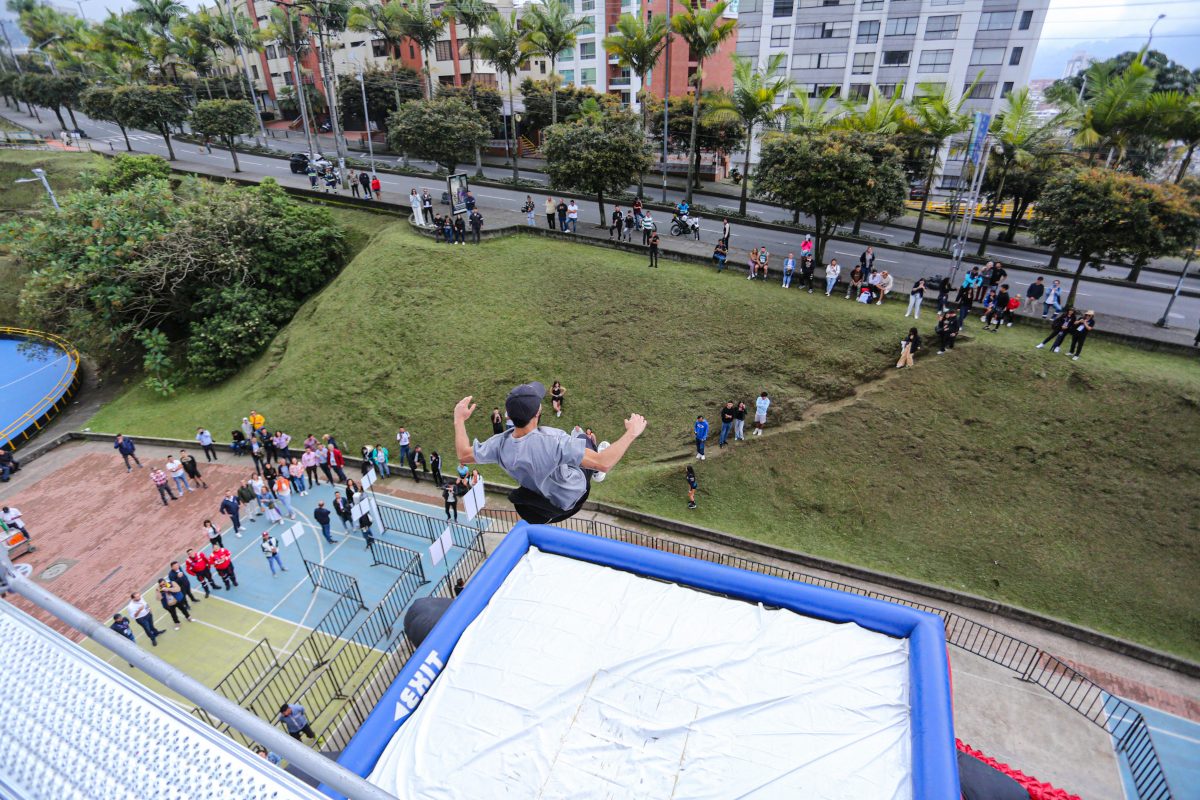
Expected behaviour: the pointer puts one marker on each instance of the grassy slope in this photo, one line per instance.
(1078, 479)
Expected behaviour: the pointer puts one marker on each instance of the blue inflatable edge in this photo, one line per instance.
(934, 760)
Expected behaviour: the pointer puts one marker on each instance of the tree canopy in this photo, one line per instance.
(445, 130)
(596, 155)
(225, 119)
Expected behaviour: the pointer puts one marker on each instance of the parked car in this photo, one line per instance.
(299, 162)
(916, 191)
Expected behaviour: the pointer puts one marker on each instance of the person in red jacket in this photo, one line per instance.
(1013, 304)
(337, 461)
(198, 566)
(222, 560)
(376, 186)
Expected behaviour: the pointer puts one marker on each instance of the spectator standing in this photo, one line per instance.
(908, 348)
(469, 201)
(947, 330)
(808, 268)
(631, 222)
(309, 461)
(323, 518)
(379, 457)
(192, 468)
(833, 271)
(121, 626)
(246, 494)
(725, 232)
(739, 422)
(283, 491)
(435, 467)
(206, 443)
(637, 211)
(427, 205)
(760, 413)
(915, 296)
(648, 228)
(528, 208)
(497, 421)
(231, 507)
(1033, 295)
(653, 249)
(342, 508)
(270, 549)
(294, 719)
(222, 561)
(561, 210)
(213, 533)
(727, 413)
(789, 266)
(125, 446)
(257, 455)
(338, 462)
(1079, 333)
(172, 600)
(573, 215)
(322, 453)
(691, 482)
(476, 220)
(943, 298)
(558, 396)
(140, 612)
(178, 576)
(450, 500)
(376, 187)
(550, 213)
(199, 567)
(701, 431)
(867, 260)
(616, 223)
(159, 479)
(1053, 300)
(355, 186)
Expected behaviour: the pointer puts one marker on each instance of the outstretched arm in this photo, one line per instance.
(604, 462)
(462, 443)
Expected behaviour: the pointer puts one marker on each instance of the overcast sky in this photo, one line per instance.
(1101, 28)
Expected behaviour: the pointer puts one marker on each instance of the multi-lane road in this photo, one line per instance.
(1133, 301)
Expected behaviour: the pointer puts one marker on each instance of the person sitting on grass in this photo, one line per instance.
(550, 465)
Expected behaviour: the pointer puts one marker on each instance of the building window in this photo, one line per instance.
(412, 51)
(868, 31)
(1026, 20)
(567, 54)
(568, 76)
(981, 91)
(1015, 58)
(896, 58)
(945, 27)
(587, 5)
(888, 90)
(996, 21)
(587, 50)
(379, 48)
(819, 61)
(254, 70)
(860, 91)
(871, 5)
(587, 76)
(946, 2)
(835, 30)
(987, 56)
(832, 3)
(289, 79)
(935, 61)
(951, 182)
(749, 34)
(806, 89)
(779, 35)
(864, 64)
(901, 26)
(1006, 90)
(783, 8)
(443, 50)
(929, 89)
(570, 6)
(831, 89)
(359, 43)
(832, 61)
(271, 52)
(805, 32)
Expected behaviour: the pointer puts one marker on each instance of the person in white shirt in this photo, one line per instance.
(760, 413)
(12, 518)
(175, 470)
(572, 215)
(832, 272)
(139, 612)
(403, 439)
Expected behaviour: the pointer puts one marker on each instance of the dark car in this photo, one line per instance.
(299, 162)
(916, 191)
(79, 133)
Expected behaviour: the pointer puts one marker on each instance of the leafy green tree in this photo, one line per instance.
(833, 177)
(937, 117)
(487, 102)
(1101, 213)
(718, 134)
(472, 15)
(540, 97)
(549, 29)
(1019, 136)
(704, 30)
(502, 47)
(158, 108)
(124, 171)
(53, 92)
(638, 45)
(383, 21)
(598, 155)
(383, 89)
(1176, 117)
(445, 130)
(225, 119)
(1025, 183)
(1111, 111)
(753, 103)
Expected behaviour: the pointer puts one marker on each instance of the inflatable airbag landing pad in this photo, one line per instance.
(579, 680)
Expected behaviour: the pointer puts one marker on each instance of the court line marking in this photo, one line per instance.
(35, 372)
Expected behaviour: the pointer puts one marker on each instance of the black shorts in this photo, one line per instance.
(537, 510)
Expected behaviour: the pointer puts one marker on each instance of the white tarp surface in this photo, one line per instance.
(582, 681)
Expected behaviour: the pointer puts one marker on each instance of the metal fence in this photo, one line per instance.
(323, 577)
(397, 557)
(1121, 720)
(402, 520)
(246, 676)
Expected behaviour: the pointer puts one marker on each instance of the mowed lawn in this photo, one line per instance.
(1067, 488)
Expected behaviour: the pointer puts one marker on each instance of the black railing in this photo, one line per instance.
(402, 520)
(397, 557)
(259, 665)
(323, 577)
(1079, 692)
(364, 696)
(329, 630)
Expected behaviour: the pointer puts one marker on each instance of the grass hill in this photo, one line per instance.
(1068, 488)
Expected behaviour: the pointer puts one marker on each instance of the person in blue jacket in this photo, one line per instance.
(124, 445)
(701, 429)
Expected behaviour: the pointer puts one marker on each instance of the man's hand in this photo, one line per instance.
(464, 409)
(635, 425)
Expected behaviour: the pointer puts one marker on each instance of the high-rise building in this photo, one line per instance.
(844, 47)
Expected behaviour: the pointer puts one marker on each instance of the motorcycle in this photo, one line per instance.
(735, 175)
(685, 225)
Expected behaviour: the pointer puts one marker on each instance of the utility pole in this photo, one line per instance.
(328, 79)
(667, 100)
(241, 51)
(1163, 322)
(290, 44)
(1150, 38)
(362, 84)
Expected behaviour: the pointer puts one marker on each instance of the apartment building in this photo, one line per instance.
(845, 46)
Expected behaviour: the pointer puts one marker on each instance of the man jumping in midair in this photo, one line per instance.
(551, 466)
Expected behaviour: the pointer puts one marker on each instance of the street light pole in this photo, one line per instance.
(41, 176)
(666, 100)
(1163, 322)
(241, 51)
(362, 84)
(1150, 38)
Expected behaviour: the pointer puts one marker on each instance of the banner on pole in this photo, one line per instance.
(474, 500)
(369, 478)
(289, 536)
(976, 148)
(360, 508)
(441, 548)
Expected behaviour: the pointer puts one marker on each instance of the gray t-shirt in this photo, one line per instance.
(546, 461)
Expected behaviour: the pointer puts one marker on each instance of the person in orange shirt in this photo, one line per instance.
(283, 490)
(257, 421)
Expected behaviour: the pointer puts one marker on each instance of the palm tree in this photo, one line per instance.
(705, 31)
(127, 40)
(194, 36)
(1020, 136)
(550, 29)
(383, 21)
(807, 115)
(502, 47)
(638, 46)
(472, 15)
(936, 117)
(1177, 118)
(881, 115)
(239, 35)
(289, 31)
(418, 22)
(1111, 109)
(159, 14)
(752, 103)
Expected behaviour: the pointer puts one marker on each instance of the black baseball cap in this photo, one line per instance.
(523, 402)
